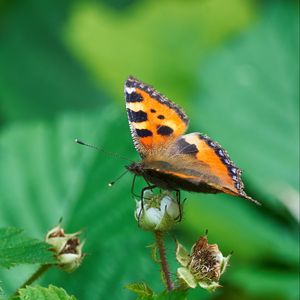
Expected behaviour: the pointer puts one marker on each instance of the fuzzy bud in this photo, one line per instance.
(159, 212)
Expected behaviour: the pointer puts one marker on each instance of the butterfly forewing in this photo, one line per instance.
(154, 120)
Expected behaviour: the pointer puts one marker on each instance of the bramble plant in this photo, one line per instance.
(157, 213)
(59, 250)
(203, 266)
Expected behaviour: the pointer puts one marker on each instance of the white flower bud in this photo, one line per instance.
(169, 205)
(159, 212)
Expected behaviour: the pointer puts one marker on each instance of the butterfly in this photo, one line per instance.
(171, 160)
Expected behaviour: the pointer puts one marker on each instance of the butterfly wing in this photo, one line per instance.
(154, 120)
(197, 163)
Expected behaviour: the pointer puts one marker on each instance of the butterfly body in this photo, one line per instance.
(171, 160)
(159, 178)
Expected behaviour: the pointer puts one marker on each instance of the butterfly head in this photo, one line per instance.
(136, 168)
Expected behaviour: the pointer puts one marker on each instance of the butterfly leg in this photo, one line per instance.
(150, 187)
(132, 187)
(147, 188)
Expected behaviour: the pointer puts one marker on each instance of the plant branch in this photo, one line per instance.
(163, 260)
(37, 274)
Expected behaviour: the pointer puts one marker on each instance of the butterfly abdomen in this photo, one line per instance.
(174, 182)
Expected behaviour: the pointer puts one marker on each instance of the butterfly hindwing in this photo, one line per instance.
(154, 120)
(196, 153)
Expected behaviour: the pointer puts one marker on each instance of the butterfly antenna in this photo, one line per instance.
(102, 150)
(118, 178)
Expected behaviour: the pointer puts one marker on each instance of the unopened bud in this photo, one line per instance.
(159, 212)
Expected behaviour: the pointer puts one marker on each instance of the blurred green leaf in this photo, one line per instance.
(38, 75)
(269, 282)
(229, 220)
(1, 291)
(41, 293)
(55, 177)
(16, 248)
(155, 41)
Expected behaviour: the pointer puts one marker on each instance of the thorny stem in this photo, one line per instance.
(163, 260)
(37, 274)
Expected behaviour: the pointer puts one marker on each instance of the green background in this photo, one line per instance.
(232, 65)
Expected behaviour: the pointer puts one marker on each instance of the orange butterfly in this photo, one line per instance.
(170, 160)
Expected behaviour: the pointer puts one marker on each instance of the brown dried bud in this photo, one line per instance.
(67, 247)
(204, 265)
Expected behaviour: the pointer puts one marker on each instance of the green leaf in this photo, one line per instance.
(257, 281)
(141, 289)
(16, 248)
(41, 293)
(1, 290)
(39, 77)
(71, 181)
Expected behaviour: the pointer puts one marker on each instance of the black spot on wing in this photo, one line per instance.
(186, 148)
(164, 130)
(153, 110)
(133, 97)
(143, 132)
(136, 116)
(135, 83)
(161, 117)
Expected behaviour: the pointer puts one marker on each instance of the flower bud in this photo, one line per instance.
(159, 212)
(67, 248)
(204, 265)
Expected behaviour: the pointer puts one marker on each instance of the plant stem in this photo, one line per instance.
(37, 274)
(163, 260)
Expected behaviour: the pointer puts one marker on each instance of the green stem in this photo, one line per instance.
(37, 274)
(163, 260)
